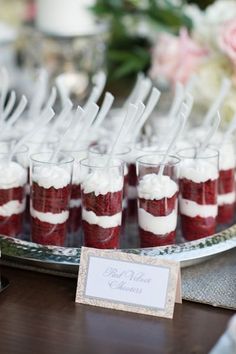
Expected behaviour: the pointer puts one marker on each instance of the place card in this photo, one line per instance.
(128, 282)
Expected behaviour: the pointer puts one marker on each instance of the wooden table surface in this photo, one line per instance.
(38, 315)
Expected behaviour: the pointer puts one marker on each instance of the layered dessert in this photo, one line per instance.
(157, 210)
(198, 198)
(49, 208)
(102, 195)
(226, 185)
(13, 179)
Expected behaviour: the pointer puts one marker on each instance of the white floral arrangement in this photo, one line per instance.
(209, 51)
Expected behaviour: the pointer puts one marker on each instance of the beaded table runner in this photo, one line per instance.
(212, 282)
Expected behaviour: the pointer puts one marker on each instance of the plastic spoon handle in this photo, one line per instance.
(62, 138)
(152, 101)
(43, 120)
(144, 90)
(89, 117)
(210, 134)
(179, 95)
(80, 113)
(17, 113)
(134, 93)
(131, 111)
(5, 86)
(225, 87)
(133, 117)
(106, 106)
(191, 82)
(100, 80)
(63, 90)
(39, 95)
(177, 132)
(138, 115)
(62, 115)
(9, 106)
(230, 130)
(51, 100)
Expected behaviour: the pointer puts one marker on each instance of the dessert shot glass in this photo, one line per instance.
(102, 194)
(50, 190)
(99, 150)
(199, 173)
(157, 199)
(74, 236)
(140, 149)
(226, 183)
(13, 180)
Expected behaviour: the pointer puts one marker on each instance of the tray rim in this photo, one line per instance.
(67, 259)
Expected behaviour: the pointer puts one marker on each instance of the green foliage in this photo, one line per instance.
(129, 52)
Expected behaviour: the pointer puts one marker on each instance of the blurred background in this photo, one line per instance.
(74, 39)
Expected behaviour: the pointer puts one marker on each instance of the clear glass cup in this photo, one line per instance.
(13, 179)
(199, 173)
(50, 189)
(37, 144)
(141, 148)
(102, 194)
(157, 199)
(98, 150)
(226, 183)
(75, 218)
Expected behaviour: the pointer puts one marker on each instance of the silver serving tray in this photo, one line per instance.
(65, 260)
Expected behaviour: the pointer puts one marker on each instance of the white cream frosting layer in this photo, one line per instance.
(158, 225)
(51, 176)
(102, 221)
(198, 170)
(50, 218)
(12, 175)
(152, 186)
(228, 198)
(193, 209)
(102, 182)
(11, 208)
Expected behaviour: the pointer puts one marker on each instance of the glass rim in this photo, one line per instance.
(65, 151)
(90, 150)
(176, 158)
(24, 150)
(84, 163)
(215, 153)
(33, 158)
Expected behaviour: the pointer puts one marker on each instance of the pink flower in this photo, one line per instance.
(175, 58)
(227, 39)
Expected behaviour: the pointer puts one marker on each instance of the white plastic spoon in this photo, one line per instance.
(131, 111)
(9, 106)
(39, 124)
(135, 91)
(230, 130)
(144, 90)
(105, 107)
(100, 80)
(17, 113)
(5, 87)
(225, 87)
(179, 96)
(213, 128)
(39, 95)
(152, 101)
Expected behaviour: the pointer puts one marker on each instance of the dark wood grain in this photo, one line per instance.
(38, 315)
